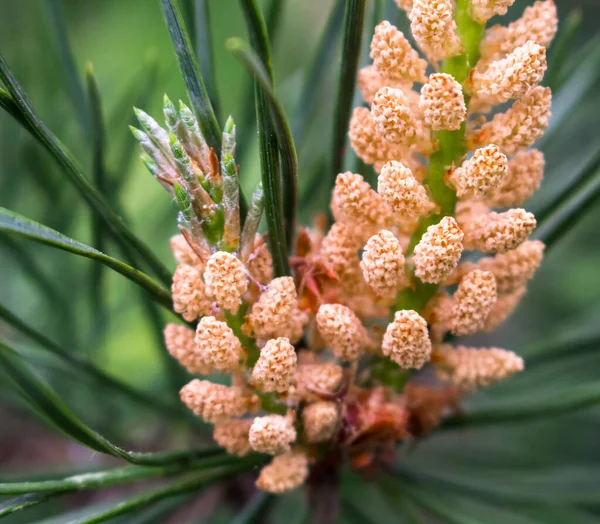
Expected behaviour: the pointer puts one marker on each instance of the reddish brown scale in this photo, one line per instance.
(314, 277)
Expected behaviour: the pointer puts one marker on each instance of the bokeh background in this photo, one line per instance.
(104, 317)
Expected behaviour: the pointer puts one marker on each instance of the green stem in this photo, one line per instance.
(451, 149)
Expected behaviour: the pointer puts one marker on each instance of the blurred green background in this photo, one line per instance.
(129, 47)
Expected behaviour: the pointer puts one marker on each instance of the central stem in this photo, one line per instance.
(451, 149)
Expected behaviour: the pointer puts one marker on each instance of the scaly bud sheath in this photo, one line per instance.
(231, 201)
(166, 167)
(191, 124)
(255, 212)
(183, 201)
(156, 133)
(202, 204)
(176, 126)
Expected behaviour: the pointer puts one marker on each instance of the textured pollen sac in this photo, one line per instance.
(365, 140)
(484, 171)
(189, 293)
(438, 252)
(320, 421)
(503, 308)
(515, 268)
(213, 402)
(275, 369)
(260, 261)
(434, 29)
(538, 24)
(181, 345)
(393, 56)
(499, 232)
(472, 368)
(442, 103)
(232, 435)
(183, 253)
(520, 127)
(284, 473)
(342, 331)
(383, 264)
(392, 116)
(370, 81)
(405, 4)
(340, 249)
(473, 301)
(272, 313)
(525, 173)
(406, 340)
(356, 204)
(513, 76)
(312, 379)
(226, 280)
(218, 346)
(483, 10)
(272, 434)
(438, 314)
(398, 187)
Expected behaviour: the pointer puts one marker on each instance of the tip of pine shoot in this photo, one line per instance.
(229, 125)
(139, 135)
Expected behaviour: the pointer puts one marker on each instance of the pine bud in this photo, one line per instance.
(213, 402)
(342, 331)
(275, 369)
(272, 434)
(383, 264)
(438, 252)
(218, 346)
(226, 280)
(189, 294)
(406, 340)
(513, 76)
(233, 436)
(434, 29)
(320, 421)
(499, 232)
(472, 368)
(393, 56)
(443, 103)
(484, 171)
(473, 301)
(272, 313)
(181, 345)
(284, 473)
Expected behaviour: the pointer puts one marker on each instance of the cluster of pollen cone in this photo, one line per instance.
(305, 360)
